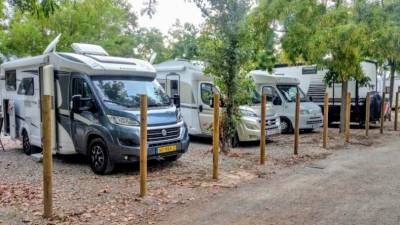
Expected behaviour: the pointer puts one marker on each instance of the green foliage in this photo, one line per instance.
(223, 46)
(104, 22)
(149, 41)
(35, 7)
(184, 41)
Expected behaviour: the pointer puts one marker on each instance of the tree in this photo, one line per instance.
(149, 41)
(317, 33)
(184, 41)
(227, 59)
(103, 22)
(45, 7)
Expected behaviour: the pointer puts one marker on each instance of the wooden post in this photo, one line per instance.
(326, 113)
(347, 121)
(216, 136)
(367, 113)
(143, 145)
(47, 157)
(297, 124)
(382, 111)
(396, 111)
(263, 129)
(47, 139)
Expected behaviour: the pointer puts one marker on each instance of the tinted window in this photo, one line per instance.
(81, 87)
(11, 80)
(271, 93)
(290, 91)
(206, 92)
(26, 86)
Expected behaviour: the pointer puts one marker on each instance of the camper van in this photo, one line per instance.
(281, 92)
(96, 106)
(187, 80)
(312, 82)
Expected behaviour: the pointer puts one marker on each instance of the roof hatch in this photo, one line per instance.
(88, 49)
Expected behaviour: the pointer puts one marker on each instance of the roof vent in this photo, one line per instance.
(88, 49)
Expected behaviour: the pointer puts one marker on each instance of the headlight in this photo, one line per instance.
(179, 117)
(118, 120)
(304, 111)
(248, 113)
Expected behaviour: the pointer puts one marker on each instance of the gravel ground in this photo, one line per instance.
(80, 197)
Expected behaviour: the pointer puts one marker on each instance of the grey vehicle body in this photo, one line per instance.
(89, 107)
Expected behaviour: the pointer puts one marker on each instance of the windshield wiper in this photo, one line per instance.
(117, 103)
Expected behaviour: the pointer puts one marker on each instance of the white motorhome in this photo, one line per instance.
(186, 79)
(281, 92)
(396, 86)
(96, 106)
(312, 82)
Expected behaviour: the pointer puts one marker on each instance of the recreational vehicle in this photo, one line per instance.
(186, 79)
(96, 106)
(312, 82)
(281, 92)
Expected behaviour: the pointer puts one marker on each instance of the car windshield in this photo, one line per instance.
(126, 91)
(289, 92)
(255, 97)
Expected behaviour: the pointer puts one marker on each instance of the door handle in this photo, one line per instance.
(200, 108)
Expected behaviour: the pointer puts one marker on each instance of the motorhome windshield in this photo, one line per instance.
(289, 92)
(126, 91)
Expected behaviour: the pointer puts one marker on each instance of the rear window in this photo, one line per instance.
(26, 86)
(11, 80)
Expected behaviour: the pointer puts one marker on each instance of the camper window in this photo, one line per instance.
(271, 93)
(290, 91)
(206, 92)
(26, 86)
(11, 80)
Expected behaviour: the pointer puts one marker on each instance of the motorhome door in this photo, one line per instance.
(205, 97)
(172, 84)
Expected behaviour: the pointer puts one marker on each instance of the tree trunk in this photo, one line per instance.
(345, 85)
(392, 74)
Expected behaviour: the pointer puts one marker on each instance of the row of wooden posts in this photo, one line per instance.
(47, 151)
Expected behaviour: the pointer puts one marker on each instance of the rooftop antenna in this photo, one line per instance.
(153, 57)
(52, 46)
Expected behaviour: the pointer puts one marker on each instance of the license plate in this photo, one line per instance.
(166, 149)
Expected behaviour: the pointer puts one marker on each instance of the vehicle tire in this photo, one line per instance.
(172, 158)
(26, 144)
(100, 161)
(235, 142)
(286, 126)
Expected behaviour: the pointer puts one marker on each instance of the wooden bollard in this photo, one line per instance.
(297, 124)
(216, 136)
(367, 113)
(47, 137)
(263, 128)
(325, 130)
(347, 121)
(382, 111)
(143, 145)
(396, 111)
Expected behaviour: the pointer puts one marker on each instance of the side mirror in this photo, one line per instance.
(212, 102)
(177, 101)
(76, 103)
(277, 101)
(310, 98)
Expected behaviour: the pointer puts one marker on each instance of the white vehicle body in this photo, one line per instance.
(312, 82)
(183, 78)
(396, 86)
(281, 93)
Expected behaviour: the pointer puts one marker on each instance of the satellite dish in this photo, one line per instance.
(52, 46)
(153, 58)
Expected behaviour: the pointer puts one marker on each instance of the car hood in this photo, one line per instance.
(155, 116)
(257, 109)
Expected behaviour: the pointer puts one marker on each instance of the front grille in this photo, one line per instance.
(269, 123)
(157, 134)
(314, 121)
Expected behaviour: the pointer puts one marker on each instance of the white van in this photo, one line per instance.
(186, 79)
(96, 106)
(281, 91)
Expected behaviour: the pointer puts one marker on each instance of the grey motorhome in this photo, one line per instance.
(312, 82)
(186, 79)
(96, 99)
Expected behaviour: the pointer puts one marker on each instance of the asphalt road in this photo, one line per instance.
(356, 186)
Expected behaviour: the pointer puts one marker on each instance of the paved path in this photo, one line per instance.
(350, 187)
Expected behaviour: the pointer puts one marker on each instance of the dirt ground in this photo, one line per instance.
(80, 197)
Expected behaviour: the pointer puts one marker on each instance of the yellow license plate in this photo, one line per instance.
(165, 149)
